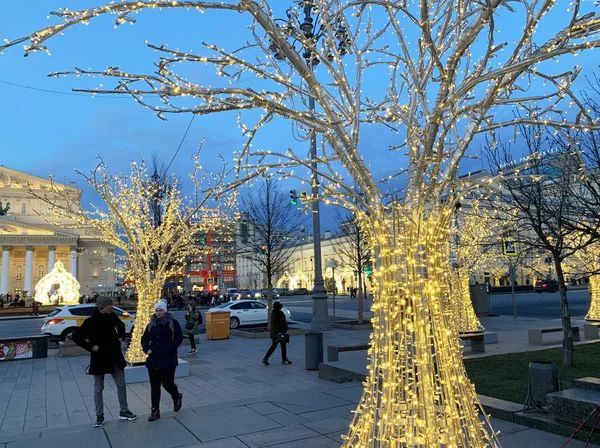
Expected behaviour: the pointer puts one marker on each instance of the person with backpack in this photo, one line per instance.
(102, 335)
(279, 329)
(160, 341)
(193, 318)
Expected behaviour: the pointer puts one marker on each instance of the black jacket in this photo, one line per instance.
(278, 323)
(163, 340)
(103, 330)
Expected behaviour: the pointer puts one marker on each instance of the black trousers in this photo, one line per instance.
(193, 341)
(274, 346)
(166, 378)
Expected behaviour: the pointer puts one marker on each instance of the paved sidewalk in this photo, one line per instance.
(230, 401)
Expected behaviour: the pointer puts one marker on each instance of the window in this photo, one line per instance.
(242, 306)
(258, 305)
(244, 232)
(82, 311)
(41, 209)
(40, 270)
(23, 208)
(19, 272)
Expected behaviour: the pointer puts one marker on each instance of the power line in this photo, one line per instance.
(57, 92)
(181, 142)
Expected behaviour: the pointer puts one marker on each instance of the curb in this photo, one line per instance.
(41, 316)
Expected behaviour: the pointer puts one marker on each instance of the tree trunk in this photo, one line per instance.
(565, 317)
(463, 314)
(149, 293)
(417, 393)
(360, 299)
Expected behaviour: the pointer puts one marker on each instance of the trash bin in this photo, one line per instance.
(217, 325)
(313, 345)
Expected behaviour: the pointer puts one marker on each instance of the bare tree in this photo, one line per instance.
(451, 77)
(542, 189)
(353, 247)
(276, 225)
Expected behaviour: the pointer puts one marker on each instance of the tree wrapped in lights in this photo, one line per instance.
(586, 263)
(450, 76)
(151, 250)
(473, 245)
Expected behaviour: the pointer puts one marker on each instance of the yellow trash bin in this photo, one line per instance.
(217, 325)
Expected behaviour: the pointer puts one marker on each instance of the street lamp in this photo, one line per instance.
(312, 34)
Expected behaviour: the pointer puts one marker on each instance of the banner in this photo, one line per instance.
(15, 350)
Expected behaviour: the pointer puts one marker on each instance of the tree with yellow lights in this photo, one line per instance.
(443, 75)
(151, 250)
(474, 246)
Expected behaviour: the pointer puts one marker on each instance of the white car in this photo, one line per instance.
(62, 322)
(247, 312)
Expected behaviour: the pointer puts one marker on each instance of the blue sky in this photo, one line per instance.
(43, 132)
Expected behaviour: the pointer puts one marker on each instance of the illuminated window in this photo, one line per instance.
(19, 272)
(23, 208)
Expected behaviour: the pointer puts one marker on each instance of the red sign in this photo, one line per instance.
(15, 350)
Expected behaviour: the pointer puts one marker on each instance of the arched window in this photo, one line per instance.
(19, 272)
(40, 271)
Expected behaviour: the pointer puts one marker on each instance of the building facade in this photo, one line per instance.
(31, 246)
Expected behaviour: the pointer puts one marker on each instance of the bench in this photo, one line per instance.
(590, 330)
(477, 341)
(536, 334)
(333, 351)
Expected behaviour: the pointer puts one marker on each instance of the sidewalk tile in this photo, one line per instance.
(344, 411)
(85, 438)
(351, 394)
(536, 438)
(216, 424)
(230, 442)
(506, 428)
(277, 436)
(285, 418)
(314, 442)
(329, 425)
(265, 408)
(166, 432)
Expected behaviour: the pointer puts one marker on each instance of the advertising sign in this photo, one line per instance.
(15, 350)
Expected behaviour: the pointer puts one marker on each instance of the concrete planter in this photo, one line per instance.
(248, 333)
(69, 348)
(138, 373)
(353, 325)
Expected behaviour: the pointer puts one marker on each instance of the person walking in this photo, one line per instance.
(102, 334)
(160, 342)
(193, 318)
(279, 334)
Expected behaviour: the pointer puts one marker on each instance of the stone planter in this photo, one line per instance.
(353, 325)
(262, 332)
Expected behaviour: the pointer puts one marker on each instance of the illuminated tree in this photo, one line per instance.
(151, 250)
(449, 77)
(474, 246)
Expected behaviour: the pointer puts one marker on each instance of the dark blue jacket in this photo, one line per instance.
(163, 340)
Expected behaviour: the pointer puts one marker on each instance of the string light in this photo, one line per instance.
(58, 286)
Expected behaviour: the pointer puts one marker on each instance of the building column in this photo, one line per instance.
(73, 262)
(51, 257)
(5, 270)
(28, 284)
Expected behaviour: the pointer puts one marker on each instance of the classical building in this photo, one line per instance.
(31, 246)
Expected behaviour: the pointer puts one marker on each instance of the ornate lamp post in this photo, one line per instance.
(313, 33)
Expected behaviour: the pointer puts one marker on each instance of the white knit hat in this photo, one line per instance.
(162, 305)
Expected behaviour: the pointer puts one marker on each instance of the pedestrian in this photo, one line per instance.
(279, 334)
(102, 334)
(160, 341)
(193, 318)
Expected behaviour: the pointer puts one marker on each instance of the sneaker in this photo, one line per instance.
(192, 352)
(99, 421)
(265, 362)
(286, 361)
(127, 415)
(177, 403)
(154, 415)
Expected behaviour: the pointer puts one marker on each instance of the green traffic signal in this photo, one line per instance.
(293, 197)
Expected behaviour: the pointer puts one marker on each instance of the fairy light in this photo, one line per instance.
(57, 281)
(417, 393)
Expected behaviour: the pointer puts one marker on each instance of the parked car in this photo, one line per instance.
(263, 293)
(299, 292)
(546, 286)
(232, 294)
(62, 322)
(247, 312)
(283, 292)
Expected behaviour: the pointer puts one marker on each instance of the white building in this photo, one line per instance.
(31, 246)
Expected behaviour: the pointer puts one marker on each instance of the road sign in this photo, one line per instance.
(509, 248)
(210, 281)
(304, 196)
(331, 264)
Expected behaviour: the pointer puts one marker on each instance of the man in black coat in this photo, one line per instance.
(102, 335)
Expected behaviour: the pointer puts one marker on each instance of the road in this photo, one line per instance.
(541, 306)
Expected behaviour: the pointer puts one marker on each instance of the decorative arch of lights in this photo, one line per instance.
(57, 287)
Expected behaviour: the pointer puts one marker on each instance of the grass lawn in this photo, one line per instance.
(505, 376)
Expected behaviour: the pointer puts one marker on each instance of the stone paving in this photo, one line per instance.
(230, 401)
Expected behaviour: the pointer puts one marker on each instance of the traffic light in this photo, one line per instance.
(368, 268)
(293, 197)
(264, 250)
(202, 240)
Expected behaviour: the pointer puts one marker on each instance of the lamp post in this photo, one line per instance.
(293, 27)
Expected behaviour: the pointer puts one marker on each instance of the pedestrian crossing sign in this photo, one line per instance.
(509, 248)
